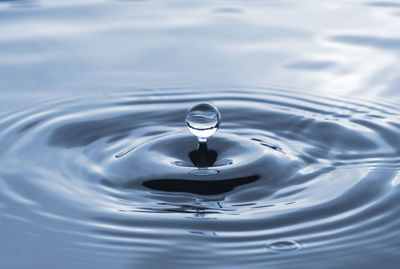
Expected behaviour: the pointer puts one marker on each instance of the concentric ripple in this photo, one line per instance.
(114, 180)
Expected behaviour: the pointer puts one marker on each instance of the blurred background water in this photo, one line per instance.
(308, 149)
(340, 47)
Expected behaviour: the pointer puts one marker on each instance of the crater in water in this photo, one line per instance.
(123, 176)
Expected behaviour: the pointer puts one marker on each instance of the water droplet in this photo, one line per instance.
(203, 121)
(284, 246)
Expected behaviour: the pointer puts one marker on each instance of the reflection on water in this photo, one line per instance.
(98, 170)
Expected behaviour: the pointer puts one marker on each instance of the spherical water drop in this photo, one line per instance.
(203, 121)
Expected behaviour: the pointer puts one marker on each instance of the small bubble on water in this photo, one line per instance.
(203, 121)
(284, 246)
(203, 172)
(181, 163)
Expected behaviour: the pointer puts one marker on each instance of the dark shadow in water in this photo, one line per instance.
(29, 125)
(228, 10)
(202, 187)
(21, 3)
(311, 65)
(203, 157)
(133, 1)
(384, 4)
(186, 209)
(80, 134)
(370, 41)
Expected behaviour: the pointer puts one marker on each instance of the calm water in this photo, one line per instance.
(97, 167)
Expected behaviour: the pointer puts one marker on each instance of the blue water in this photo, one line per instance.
(98, 169)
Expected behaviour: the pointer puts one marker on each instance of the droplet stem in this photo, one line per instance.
(202, 148)
(202, 151)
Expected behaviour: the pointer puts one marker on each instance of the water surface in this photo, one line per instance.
(97, 168)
